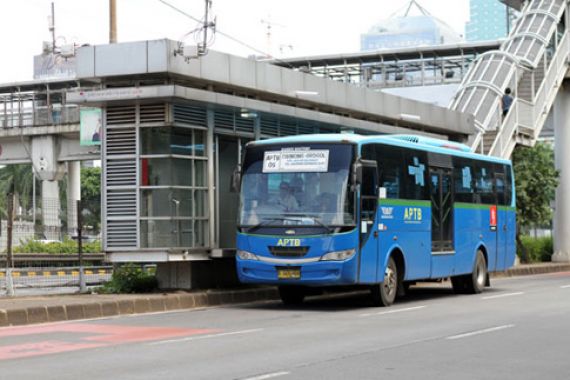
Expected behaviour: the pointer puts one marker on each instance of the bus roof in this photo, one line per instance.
(405, 141)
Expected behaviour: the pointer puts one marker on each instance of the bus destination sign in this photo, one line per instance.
(291, 160)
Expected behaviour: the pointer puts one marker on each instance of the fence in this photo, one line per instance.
(46, 243)
(49, 225)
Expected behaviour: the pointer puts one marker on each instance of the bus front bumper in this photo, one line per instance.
(319, 273)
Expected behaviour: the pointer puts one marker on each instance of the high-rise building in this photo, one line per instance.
(408, 32)
(488, 20)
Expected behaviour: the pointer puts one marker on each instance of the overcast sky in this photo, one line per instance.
(311, 27)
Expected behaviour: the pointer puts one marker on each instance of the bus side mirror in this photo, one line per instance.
(235, 181)
(358, 171)
(356, 174)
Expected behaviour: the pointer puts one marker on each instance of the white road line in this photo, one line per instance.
(502, 295)
(393, 311)
(200, 337)
(479, 332)
(268, 376)
(565, 287)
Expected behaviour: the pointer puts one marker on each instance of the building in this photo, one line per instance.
(409, 31)
(488, 20)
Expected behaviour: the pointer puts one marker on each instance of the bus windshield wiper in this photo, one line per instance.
(314, 219)
(263, 223)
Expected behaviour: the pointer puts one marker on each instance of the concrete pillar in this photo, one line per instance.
(562, 159)
(73, 195)
(50, 210)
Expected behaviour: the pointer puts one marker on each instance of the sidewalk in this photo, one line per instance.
(31, 310)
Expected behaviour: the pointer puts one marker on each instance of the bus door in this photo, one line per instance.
(500, 216)
(441, 197)
(367, 222)
(441, 211)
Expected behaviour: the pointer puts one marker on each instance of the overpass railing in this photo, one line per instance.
(533, 56)
(531, 116)
(40, 116)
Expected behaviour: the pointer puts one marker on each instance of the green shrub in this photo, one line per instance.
(68, 246)
(130, 278)
(538, 249)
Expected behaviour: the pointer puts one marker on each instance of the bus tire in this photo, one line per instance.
(475, 282)
(291, 295)
(458, 284)
(384, 294)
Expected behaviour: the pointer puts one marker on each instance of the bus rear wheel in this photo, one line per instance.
(291, 295)
(475, 282)
(384, 294)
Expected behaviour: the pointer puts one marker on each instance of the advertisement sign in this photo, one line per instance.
(91, 121)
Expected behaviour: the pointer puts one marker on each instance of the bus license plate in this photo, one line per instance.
(288, 273)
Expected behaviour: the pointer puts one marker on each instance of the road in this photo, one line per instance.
(518, 329)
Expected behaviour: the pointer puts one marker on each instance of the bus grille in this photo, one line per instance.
(288, 251)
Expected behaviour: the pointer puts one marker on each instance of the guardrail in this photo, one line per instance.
(61, 277)
(38, 259)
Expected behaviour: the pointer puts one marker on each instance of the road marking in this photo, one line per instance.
(87, 336)
(479, 332)
(393, 311)
(190, 338)
(268, 376)
(503, 295)
(565, 287)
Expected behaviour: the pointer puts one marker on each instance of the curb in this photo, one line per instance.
(529, 270)
(137, 305)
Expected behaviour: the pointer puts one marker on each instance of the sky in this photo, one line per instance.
(300, 27)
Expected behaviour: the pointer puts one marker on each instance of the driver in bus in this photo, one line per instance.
(286, 199)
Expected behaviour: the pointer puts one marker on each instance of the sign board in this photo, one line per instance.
(296, 160)
(53, 66)
(91, 122)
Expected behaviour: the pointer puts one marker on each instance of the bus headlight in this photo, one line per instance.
(245, 255)
(339, 255)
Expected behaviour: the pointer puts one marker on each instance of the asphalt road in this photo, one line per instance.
(518, 329)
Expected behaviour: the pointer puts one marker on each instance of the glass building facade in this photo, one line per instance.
(409, 31)
(488, 20)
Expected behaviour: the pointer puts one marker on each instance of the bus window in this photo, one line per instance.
(500, 185)
(368, 193)
(390, 168)
(415, 175)
(509, 186)
(463, 180)
(484, 183)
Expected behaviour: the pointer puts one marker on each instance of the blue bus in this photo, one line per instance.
(380, 212)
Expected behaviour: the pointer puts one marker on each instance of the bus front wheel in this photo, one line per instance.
(291, 295)
(384, 294)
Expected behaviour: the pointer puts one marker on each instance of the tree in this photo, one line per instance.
(17, 179)
(536, 180)
(91, 196)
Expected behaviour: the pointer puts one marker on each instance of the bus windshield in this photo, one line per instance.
(297, 185)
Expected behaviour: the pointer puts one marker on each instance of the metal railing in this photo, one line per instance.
(55, 277)
(532, 116)
(31, 117)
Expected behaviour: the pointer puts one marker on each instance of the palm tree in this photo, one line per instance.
(17, 179)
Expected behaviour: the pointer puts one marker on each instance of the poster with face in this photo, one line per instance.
(91, 120)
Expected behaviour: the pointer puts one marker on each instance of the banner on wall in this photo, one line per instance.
(91, 121)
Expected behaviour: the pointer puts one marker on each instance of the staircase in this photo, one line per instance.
(532, 62)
